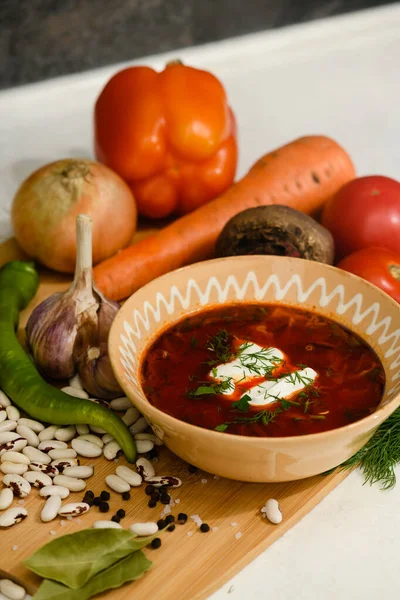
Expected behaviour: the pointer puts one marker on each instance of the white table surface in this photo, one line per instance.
(340, 77)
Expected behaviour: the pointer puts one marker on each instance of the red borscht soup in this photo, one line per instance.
(262, 370)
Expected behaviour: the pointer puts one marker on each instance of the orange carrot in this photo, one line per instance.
(303, 174)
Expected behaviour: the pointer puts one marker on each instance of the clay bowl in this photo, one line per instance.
(349, 300)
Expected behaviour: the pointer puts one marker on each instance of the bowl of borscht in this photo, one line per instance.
(260, 368)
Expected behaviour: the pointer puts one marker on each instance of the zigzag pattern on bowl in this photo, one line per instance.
(272, 290)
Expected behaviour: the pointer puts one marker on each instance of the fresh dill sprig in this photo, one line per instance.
(379, 457)
(264, 416)
(261, 362)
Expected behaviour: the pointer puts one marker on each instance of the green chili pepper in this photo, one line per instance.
(19, 378)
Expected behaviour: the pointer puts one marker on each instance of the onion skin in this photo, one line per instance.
(46, 205)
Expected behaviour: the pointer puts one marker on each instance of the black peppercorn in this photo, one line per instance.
(96, 501)
(126, 496)
(149, 489)
(121, 513)
(171, 528)
(89, 494)
(155, 496)
(115, 518)
(104, 507)
(182, 518)
(204, 527)
(161, 523)
(105, 495)
(169, 519)
(165, 498)
(156, 543)
(163, 489)
(152, 503)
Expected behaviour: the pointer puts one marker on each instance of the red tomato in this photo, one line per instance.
(365, 212)
(378, 266)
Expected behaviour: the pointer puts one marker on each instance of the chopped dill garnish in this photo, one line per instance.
(220, 344)
(264, 417)
(261, 362)
(242, 404)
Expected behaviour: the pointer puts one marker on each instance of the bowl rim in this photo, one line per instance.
(369, 419)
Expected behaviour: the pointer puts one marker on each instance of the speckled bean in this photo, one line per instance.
(112, 450)
(12, 590)
(106, 525)
(48, 445)
(131, 416)
(142, 529)
(73, 509)
(12, 516)
(18, 484)
(81, 471)
(8, 425)
(62, 453)
(82, 429)
(145, 468)
(13, 467)
(13, 413)
(143, 446)
(94, 439)
(138, 427)
(37, 479)
(4, 400)
(6, 498)
(48, 433)
(16, 457)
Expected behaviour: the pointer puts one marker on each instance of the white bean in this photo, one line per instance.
(13, 413)
(98, 430)
(65, 434)
(51, 508)
(12, 516)
(48, 433)
(54, 490)
(85, 448)
(16, 457)
(112, 450)
(3, 415)
(107, 438)
(36, 455)
(8, 425)
(75, 382)
(8, 436)
(168, 480)
(72, 484)
(106, 525)
(11, 590)
(28, 434)
(62, 453)
(36, 426)
(128, 475)
(18, 484)
(272, 511)
(131, 416)
(82, 429)
(94, 439)
(6, 498)
(37, 479)
(144, 528)
(12, 467)
(149, 436)
(48, 445)
(138, 427)
(63, 463)
(122, 403)
(145, 468)
(17, 444)
(143, 446)
(73, 509)
(83, 471)
(117, 484)
(49, 470)
(4, 400)
(73, 391)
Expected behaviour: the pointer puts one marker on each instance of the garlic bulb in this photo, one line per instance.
(68, 332)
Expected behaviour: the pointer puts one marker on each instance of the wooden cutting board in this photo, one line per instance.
(190, 565)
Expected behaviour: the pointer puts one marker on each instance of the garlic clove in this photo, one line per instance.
(96, 374)
(51, 331)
